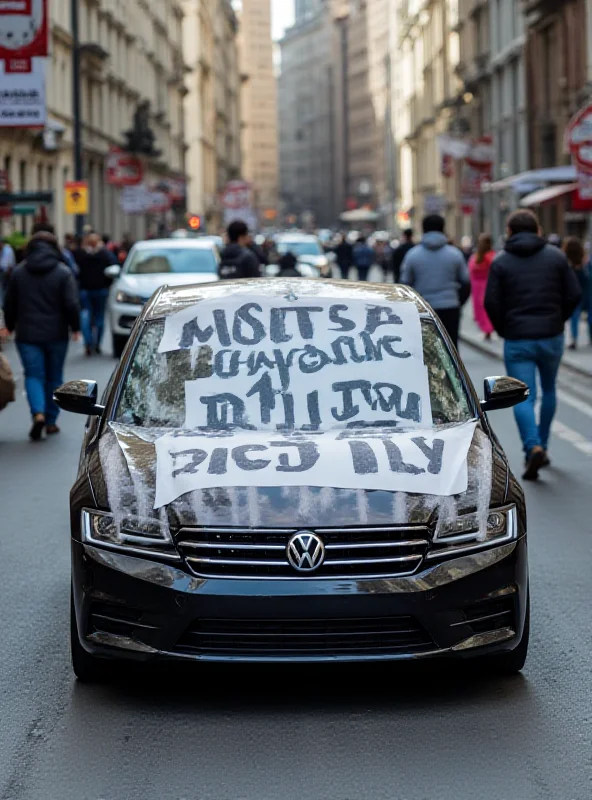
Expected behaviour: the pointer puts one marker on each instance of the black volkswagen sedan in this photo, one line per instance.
(294, 471)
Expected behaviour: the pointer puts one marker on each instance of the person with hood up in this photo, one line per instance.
(41, 307)
(439, 272)
(531, 293)
(236, 259)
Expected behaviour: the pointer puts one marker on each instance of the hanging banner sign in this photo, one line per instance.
(24, 29)
(22, 97)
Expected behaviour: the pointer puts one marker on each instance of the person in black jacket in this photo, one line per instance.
(344, 257)
(237, 260)
(93, 259)
(531, 293)
(400, 252)
(41, 307)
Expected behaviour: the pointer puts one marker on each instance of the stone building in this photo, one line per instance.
(130, 52)
(259, 107)
(212, 104)
(557, 73)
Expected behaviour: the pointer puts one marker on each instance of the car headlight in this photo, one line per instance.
(130, 534)
(130, 299)
(468, 533)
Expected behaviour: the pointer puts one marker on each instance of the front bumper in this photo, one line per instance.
(129, 607)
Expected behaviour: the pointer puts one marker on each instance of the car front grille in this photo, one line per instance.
(293, 638)
(262, 552)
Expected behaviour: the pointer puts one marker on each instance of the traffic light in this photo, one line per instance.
(194, 222)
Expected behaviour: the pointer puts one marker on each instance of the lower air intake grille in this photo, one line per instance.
(289, 638)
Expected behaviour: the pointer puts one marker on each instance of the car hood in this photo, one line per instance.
(122, 471)
(146, 285)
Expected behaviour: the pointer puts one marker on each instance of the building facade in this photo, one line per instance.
(212, 105)
(130, 53)
(259, 108)
(306, 99)
(557, 75)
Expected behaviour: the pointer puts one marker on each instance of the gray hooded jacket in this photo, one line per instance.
(438, 271)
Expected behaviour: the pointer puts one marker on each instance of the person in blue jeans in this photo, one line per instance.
(93, 259)
(41, 308)
(531, 293)
(363, 258)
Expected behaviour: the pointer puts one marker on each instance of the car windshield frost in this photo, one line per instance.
(154, 390)
(171, 260)
(300, 248)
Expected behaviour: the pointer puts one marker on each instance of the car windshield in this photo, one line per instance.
(173, 259)
(154, 391)
(311, 248)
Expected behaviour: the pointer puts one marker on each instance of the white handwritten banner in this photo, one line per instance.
(314, 364)
(425, 462)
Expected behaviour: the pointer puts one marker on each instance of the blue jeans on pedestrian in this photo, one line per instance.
(44, 373)
(93, 303)
(575, 322)
(523, 359)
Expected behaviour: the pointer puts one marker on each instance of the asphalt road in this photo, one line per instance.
(323, 734)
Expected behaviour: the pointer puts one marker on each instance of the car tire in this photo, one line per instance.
(87, 668)
(119, 343)
(513, 662)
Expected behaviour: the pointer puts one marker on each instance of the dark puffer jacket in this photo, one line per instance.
(41, 303)
(532, 291)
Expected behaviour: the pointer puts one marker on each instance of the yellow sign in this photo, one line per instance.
(76, 196)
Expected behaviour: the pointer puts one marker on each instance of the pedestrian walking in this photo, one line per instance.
(288, 265)
(93, 259)
(479, 266)
(363, 258)
(574, 252)
(344, 256)
(41, 307)
(236, 259)
(439, 272)
(400, 252)
(531, 293)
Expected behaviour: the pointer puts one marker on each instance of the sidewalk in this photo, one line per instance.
(579, 361)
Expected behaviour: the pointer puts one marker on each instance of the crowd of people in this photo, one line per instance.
(52, 294)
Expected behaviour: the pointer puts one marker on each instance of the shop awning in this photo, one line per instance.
(547, 194)
(541, 176)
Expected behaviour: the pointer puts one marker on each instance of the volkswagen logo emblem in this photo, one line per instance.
(305, 551)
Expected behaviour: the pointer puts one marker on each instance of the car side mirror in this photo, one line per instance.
(79, 397)
(503, 392)
(114, 271)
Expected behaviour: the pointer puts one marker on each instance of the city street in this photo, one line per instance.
(233, 734)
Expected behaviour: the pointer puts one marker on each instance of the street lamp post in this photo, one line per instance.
(76, 113)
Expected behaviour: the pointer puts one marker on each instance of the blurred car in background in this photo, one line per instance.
(313, 262)
(151, 264)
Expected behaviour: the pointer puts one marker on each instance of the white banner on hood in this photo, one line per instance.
(288, 364)
(424, 462)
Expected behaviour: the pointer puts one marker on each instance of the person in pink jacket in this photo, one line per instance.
(479, 266)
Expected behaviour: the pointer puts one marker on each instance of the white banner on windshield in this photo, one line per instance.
(302, 364)
(423, 462)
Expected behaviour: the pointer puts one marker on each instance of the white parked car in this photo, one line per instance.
(150, 265)
(312, 259)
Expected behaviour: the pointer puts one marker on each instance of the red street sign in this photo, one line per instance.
(123, 169)
(24, 29)
(236, 195)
